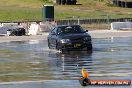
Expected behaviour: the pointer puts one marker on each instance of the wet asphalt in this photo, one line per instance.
(110, 59)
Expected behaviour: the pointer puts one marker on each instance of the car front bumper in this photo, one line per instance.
(75, 45)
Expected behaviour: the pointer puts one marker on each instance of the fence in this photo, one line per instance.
(90, 24)
(93, 23)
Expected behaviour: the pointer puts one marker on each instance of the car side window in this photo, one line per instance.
(54, 30)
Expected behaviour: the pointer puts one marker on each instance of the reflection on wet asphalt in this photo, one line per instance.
(32, 60)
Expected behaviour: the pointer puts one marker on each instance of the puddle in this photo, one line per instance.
(32, 61)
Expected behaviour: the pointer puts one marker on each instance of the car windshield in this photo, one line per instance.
(70, 29)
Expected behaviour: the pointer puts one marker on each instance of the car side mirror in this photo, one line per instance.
(86, 31)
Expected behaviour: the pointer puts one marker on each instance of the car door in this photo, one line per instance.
(53, 37)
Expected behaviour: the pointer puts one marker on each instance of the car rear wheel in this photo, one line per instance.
(49, 45)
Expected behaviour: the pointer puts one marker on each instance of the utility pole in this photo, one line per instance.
(108, 20)
(78, 20)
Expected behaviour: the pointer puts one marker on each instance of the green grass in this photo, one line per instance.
(93, 9)
(17, 10)
(19, 14)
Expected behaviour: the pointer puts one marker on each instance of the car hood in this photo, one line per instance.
(74, 36)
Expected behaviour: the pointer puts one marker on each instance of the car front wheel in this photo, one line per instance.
(89, 47)
(59, 48)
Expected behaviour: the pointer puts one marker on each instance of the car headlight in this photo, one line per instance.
(87, 38)
(65, 40)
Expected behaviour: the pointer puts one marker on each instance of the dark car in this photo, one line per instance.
(17, 32)
(67, 2)
(69, 37)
